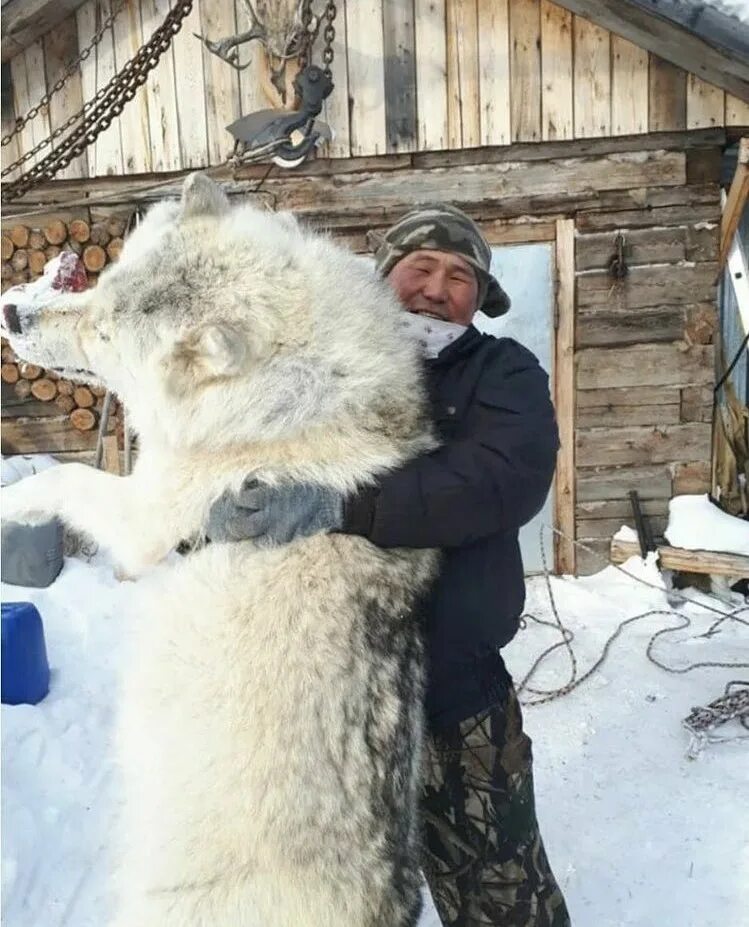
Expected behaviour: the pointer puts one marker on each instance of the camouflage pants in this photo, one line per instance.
(485, 861)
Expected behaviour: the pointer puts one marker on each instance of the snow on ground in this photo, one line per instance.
(639, 835)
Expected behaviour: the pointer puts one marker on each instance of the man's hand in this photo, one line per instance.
(274, 514)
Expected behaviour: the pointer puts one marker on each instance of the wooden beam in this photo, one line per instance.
(366, 77)
(737, 272)
(643, 444)
(592, 76)
(645, 365)
(431, 74)
(564, 391)
(60, 48)
(718, 65)
(25, 21)
(463, 108)
(668, 96)
(629, 87)
(506, 189)
(737, 197)
(686, 561)
(494, 71)
(557, 109)
(400, 75)
(525, 70)
(24, 435)
(111, 455)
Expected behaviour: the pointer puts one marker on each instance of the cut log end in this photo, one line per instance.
(22, 389)
(94, 258)
(19, 235)
(83, 397)
(9, 373)
(116, 227)
(37, 260)
(29, 371)
(82, 419)
(99, 234)
(20, 259)
(7, 247)
(56, 232)
(37, 241)
(114, 248)
(44, 389)
(65, 403)
(79, 230)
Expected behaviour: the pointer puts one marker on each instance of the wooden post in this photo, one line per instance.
(713, 563)
(737, 197)
(111, 455)
(564, 395)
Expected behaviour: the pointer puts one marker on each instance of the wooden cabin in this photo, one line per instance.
(586, 137)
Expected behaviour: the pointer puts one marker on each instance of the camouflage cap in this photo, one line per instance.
(441, 227)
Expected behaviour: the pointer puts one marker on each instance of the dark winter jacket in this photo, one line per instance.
(469, 497)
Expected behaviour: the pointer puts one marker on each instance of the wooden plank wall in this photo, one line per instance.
(411, 75)
(644, 358)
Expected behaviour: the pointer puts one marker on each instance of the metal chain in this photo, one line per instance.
(309, 34)
(69, 71)
(329, 37)
(543, 696)
(99, 112)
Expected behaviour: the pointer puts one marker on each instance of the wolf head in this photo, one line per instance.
(223, 324)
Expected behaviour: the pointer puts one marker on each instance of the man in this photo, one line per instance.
(485, 863)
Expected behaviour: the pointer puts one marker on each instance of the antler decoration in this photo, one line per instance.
(279, 27)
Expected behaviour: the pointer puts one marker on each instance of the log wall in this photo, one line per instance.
(637, 401)
(644, 363)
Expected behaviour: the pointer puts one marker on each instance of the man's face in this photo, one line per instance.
(438, 284)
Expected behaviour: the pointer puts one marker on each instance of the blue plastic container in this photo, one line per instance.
(25, 670)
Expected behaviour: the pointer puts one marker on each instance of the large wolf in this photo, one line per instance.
(271, 720)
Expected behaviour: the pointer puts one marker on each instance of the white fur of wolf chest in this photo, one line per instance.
(270, 737)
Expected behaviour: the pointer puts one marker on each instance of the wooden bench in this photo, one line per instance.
(686, 561)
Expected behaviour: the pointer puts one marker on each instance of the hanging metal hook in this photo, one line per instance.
(618, 263)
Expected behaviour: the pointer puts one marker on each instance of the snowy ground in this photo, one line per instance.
(637, 833)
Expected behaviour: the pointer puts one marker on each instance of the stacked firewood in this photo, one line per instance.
(25, 251)
(81, 403)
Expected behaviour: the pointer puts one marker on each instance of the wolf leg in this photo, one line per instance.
(107, 508)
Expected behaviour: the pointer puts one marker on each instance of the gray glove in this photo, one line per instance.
(274, 514)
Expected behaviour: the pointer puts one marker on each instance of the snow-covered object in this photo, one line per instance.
(16, 468)
(625, 533)
(65, 273)
(694, 523)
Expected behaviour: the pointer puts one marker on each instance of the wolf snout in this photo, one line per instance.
(11, 322)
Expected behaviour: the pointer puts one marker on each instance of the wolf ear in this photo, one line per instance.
(202, 197)
(211, 352)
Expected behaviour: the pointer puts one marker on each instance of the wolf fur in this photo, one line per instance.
(271, 722)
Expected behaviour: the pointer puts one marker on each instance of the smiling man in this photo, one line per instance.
(485, 860)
